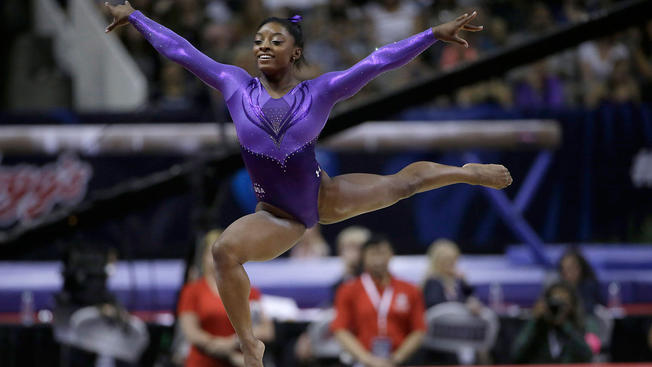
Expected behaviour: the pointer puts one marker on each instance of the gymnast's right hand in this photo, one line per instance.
(120, 15)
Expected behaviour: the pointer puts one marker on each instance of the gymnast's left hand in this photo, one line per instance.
(120, 15)
(449, 32)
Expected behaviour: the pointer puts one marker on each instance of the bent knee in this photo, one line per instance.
(225, 253)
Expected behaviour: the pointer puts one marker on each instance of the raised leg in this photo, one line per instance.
(346, 196)
(256, 237)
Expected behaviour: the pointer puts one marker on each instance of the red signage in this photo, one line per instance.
(28, 191)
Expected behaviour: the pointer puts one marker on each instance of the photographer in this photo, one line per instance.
(556, 332)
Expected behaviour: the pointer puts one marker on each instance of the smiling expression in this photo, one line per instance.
(274, 48)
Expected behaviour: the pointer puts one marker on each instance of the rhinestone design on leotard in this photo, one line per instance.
(276, 116)
(282, 163)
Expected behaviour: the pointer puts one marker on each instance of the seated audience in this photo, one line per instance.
(555, 334)
(444, 282)
(349, 244)
(379, 319)
(577, 272)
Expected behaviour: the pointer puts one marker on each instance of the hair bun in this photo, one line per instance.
(296, 19)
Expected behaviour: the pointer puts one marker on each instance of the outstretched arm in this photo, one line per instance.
(340, 85)
(225, 78)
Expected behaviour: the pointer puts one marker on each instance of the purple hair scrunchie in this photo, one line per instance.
(296, 19)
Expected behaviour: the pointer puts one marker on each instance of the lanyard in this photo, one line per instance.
(381, 305)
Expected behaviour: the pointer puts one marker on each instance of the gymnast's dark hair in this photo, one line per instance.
(293, 26)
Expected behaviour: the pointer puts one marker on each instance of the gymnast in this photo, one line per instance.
(278, 119)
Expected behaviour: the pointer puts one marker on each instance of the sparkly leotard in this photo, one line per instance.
(278, 136)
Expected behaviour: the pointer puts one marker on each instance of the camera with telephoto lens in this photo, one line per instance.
(556, 306)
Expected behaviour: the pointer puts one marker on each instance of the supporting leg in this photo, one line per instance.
(234, 287)
(255, 237)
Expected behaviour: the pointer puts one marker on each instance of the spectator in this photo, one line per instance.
(555, 334)
(597, 61)
(349, 246)
(379, 319)
(452, 56)
(219, 11)
(570, 11)
(393, 20)
(340, 37)
(643, 60)
(539, 88)
(186, 17)
(142, 52)
(541, 20)
(204, 321)
(344, 31)
(622, 86)
(444, 282)
(577, 272)
(496, 35)
(175, 94)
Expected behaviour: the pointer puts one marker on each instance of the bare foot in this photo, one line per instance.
(495, 176)
(253, 357)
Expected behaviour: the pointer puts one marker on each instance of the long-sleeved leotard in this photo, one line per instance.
(278, 136)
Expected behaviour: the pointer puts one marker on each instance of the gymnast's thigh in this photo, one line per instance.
(260, 236)
(346, 196)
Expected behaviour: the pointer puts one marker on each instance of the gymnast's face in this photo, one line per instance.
(274, 48)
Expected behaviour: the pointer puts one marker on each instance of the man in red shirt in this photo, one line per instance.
(379, 319)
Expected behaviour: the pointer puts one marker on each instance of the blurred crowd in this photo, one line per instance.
(370, 317)
(341, 32)
(439, 321)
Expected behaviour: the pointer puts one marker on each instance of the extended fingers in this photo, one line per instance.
(461, 41)
(110, 27)
(472, 28)
(466, 18)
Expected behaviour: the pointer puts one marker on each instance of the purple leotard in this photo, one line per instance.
(278, 136)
